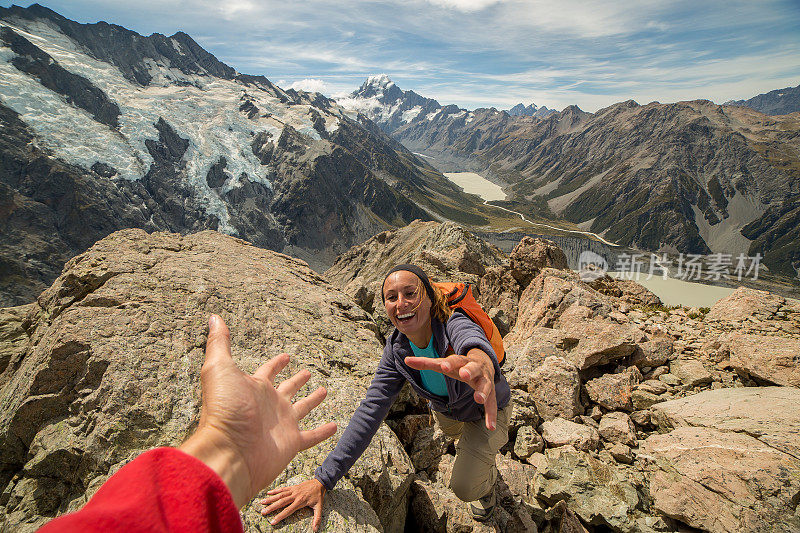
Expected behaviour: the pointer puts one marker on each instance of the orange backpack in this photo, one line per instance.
(459, 296)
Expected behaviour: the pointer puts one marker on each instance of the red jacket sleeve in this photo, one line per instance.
(161, 490)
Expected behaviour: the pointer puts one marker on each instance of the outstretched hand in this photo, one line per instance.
(476, 369)
(248, 430)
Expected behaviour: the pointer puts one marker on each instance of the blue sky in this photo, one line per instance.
(482, 53)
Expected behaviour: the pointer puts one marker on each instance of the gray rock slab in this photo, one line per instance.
(770, 414)
(723, 481)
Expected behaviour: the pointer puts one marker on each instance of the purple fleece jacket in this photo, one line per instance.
(462, 334)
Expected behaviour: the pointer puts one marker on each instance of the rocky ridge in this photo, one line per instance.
(628, 415)
(777, 102)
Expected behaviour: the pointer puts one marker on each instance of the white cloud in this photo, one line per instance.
(311, 85)
(466, 6)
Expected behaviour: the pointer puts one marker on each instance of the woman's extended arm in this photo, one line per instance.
(354, 440)
(474, 363)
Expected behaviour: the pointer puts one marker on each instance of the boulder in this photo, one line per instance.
(613, 391)
(599, 342)
(111, 367)
(344, 509)
(625, 289)
(533, 254)
(524, 411)
(691, 372)
(562, 520)
(636, 294)
(767, 358)
(617, 427)
(744, 303)
(498, 289)
(653, 386)
(555, 387)
(560, 432)
(723, 481)
(501, 320)
(643, 400)
(621, 453)
(549, 294)
(407, 428)
(528, 442)
(446, 251)
(528, 352)
(769, 414)
(429, 445)
(654, 352)
(594, 491)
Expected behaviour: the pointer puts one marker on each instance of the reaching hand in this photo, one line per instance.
(248, 430)
(476, 369)
(309, 493)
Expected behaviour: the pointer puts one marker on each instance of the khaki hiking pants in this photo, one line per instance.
(474, 470)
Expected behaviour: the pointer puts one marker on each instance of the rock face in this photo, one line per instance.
(572, 475)
(777, 102)
(768, 413)
(613, 391)
(626, 418)
(734, 453)
(768, 358)
(445, 251)
(745, 303)
(555, 387)
(560, 432)
(110, 358)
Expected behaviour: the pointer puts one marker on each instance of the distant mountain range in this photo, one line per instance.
(104, 129)
(777, 102)
(530, 110)
(689, 177)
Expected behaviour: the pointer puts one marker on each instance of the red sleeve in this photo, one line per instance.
(161, 490)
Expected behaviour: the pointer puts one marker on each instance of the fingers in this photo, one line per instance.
(453, 365)
(271, 368)
(218, 344)
(471, 370)
(317, 516)
(289, 387)
(276, 504)
(314, 436)
(304, 406)
(424, 363)
(295, 505)
(275, 495)
(490, 409)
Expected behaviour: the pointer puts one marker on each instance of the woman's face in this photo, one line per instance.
(407, 303)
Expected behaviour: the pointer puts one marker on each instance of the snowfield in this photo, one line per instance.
(202, 109)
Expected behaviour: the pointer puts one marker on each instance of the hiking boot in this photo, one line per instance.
(482, 509)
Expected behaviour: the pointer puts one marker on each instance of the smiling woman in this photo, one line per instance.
(448, 360)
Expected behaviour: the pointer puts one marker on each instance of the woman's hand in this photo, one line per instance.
(476, 369)
(309, 493)
(248, 430)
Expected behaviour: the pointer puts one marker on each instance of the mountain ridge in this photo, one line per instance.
(684, 177)
(173, 140)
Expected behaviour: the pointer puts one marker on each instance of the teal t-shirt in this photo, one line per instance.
(432, 381)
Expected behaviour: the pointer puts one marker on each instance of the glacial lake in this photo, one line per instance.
(678, 292)
(476, 184)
